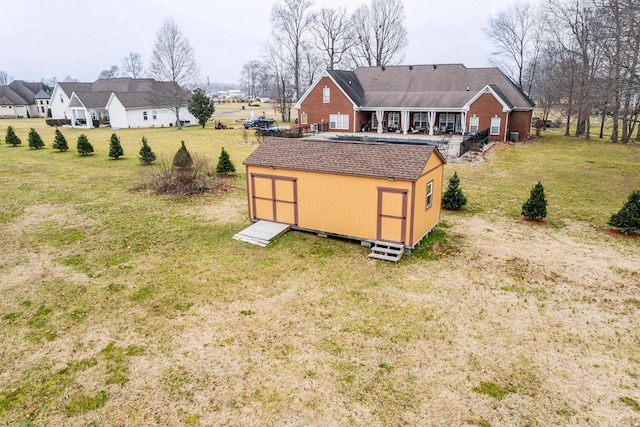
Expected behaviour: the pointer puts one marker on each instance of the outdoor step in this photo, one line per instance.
(389, 244)
(393, 251)
(252, 240)
(384, 257)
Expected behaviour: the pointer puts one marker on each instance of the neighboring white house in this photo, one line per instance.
(118, 102)
(20, 99)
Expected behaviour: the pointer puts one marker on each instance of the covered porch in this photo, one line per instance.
(430, 122)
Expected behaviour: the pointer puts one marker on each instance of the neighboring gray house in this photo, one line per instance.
(119, 102)
(21, 99)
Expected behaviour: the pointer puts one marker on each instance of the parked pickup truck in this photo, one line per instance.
(259, 122)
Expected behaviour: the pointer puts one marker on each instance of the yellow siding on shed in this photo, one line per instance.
(348, 205)
(426, 218)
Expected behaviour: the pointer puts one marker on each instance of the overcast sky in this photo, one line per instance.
(44, 38)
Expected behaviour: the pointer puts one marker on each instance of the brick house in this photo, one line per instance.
(433, 99)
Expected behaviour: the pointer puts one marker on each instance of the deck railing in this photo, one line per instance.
(473, 140)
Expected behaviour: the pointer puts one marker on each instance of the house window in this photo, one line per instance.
(394, 119)
(326, 95)
(303, 118)
(420, 120)
(61, 98)
(339, 121)
(154, 115)
(41, 102)
(429, 194)
(144, 115)
(495, 125)
(42, 109)
(447, 122)
(473, 124)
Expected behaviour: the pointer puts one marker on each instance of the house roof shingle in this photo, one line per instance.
(378, 160)
(442, 86)
(132, 93)
(19, 92)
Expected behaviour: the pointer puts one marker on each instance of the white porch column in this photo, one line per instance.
(464, 122)
(431, 115)
(379, 117)
(405, 120)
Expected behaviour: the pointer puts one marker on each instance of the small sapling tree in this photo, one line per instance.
(115, 148)
(453, 199)
(60, 142)
(225, 165)
(147, 156)
(11, 138)
(84, 147)
(182, 158)
(627, 219)
(35, 141)
(536, 207)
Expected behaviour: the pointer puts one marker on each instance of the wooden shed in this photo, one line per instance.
(365, 191)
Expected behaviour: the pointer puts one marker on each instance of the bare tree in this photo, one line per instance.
(69, 79)
(5, 78)
(109, 73)
(311, 65)
(249, 77)
(380, 33)
(292, 21)
(51, 82)
(517, 34)
(281, 77)
(173, 61)
(333, 35)
(132, 65)
(577, 26)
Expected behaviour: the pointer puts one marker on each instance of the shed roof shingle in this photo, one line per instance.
(400, 161)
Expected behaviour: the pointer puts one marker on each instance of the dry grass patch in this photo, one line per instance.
(126, 308)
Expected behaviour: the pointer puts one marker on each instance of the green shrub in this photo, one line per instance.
(84, 146)
(225, 165)
(182, 158)
(453, 199)
(147, 156)
(627, 219)
(12, 138)
(35, 141)
(60, 142)
(115, 148)
(536, 206)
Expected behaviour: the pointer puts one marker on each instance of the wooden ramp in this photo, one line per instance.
(262, 232)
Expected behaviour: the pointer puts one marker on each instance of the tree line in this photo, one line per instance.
(306, 41)
(579, 57)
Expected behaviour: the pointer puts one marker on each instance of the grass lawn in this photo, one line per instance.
(118, 307)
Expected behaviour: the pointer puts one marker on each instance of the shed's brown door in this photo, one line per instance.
(392, 215)
(275, 198)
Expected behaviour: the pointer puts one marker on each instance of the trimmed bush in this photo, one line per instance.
(84, 146)
(453, 199)
(115, 149)
(536, 206)
(182, 158)
(627, 219)
(35, 141)
(60, 142)
(12, 138)
(147, 156)
(225, 165)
